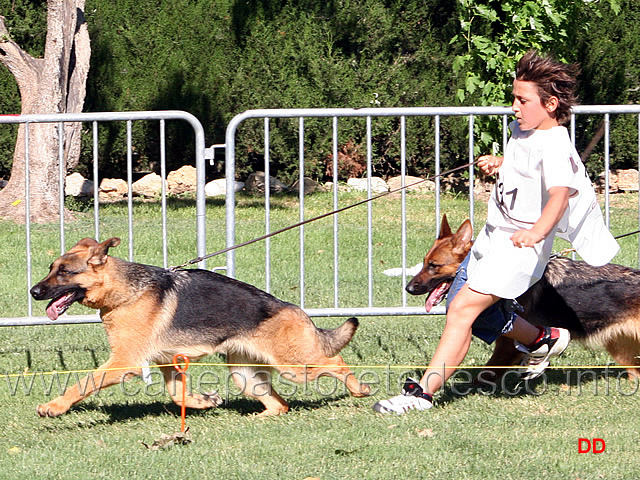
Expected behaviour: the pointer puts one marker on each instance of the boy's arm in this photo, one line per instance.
(551, 215)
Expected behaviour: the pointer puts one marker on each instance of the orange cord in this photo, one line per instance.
(181, 365)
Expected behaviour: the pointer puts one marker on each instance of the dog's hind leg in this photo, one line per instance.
(625, 351)
(112, 372)
(200, 401)
(315, 365)
(255, 382)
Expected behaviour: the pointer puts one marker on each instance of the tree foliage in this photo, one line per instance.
(216, 59)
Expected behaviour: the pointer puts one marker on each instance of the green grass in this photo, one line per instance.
(487, 433)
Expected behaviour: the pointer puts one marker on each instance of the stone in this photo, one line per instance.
(75, 185)
(619, 181)
(218, 187)
(112, 190)
(149, 186)
(183, 180)
(412, 184)
(256, 181)
(310, 186)
(378, 185)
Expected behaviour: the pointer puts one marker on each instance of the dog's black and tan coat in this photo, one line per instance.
(150, 314)
(600, 306)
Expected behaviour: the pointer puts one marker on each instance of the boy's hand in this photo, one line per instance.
(526, 238)
(489, 164)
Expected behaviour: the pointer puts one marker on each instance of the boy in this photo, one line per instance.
(541, 189)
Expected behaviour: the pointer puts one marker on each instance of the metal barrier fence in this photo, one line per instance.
(368, 113)
(334, 115)
(95, 119)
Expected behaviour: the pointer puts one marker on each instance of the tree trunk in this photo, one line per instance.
(53, 84)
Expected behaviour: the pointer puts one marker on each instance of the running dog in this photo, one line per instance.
(600, 306)
(151, 314)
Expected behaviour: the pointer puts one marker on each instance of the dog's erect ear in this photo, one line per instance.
(100, 251)
(462, 238)
(445, 229)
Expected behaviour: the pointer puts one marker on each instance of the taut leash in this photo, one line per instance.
(324, 215)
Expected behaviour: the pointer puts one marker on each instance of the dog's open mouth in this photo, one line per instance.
(59, 305)
(436, 295)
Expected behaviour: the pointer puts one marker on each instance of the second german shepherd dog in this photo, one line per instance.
(151, 314)
(598, 305)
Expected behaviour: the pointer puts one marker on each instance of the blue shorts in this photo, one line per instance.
(492, 322)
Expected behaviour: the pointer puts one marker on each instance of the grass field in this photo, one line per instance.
(496, 431)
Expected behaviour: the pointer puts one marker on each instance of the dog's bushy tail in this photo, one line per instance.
(336, 339)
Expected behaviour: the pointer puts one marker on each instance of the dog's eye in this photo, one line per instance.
(62, 270)
(432, 266)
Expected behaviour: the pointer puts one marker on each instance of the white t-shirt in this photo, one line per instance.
(534, 162)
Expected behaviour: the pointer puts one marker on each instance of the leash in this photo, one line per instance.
(324, 215)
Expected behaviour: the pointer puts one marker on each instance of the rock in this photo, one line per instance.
(182, 180)
(619, 181)
(255, 183)
(378, 185)
(112, 190)
(75, 185)
(218, 187)
(483, 187)
(413, 184)
(310, 186)
(328, 187)
(149, 186)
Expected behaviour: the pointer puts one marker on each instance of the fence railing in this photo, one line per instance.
(95, 119)
(335, 116)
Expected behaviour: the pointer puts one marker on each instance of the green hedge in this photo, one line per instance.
(216, 59)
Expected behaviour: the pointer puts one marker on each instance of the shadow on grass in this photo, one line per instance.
(123, 412)
(511, 386)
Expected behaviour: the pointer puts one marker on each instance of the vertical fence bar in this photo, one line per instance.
(27, 214)
(437, 172)
(61, 181)
(369, 218)
(606, 168)
(335, 217)
(301, 200)
(267, 204)
(96, 183)
(163, 194)
(505, 133)
(471, 157)
(403, 203)
(130, 188)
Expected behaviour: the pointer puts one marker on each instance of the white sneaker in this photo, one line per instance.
(412, 398)
(552, 344)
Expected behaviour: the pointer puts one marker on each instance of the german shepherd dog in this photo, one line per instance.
(600, 306)
(151, 314)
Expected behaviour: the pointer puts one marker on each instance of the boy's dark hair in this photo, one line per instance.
(553, 79)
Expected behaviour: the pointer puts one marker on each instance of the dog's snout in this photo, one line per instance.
(38, 291)
(413, 288)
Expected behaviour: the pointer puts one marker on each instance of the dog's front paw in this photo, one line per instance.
(213, 399)
(363, 391)
(202, 401)
(54, 408)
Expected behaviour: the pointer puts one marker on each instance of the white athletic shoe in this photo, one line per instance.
(538, 356)
(412, 398)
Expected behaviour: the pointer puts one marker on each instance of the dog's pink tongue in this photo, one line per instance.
(52, 310)
(435, 297)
